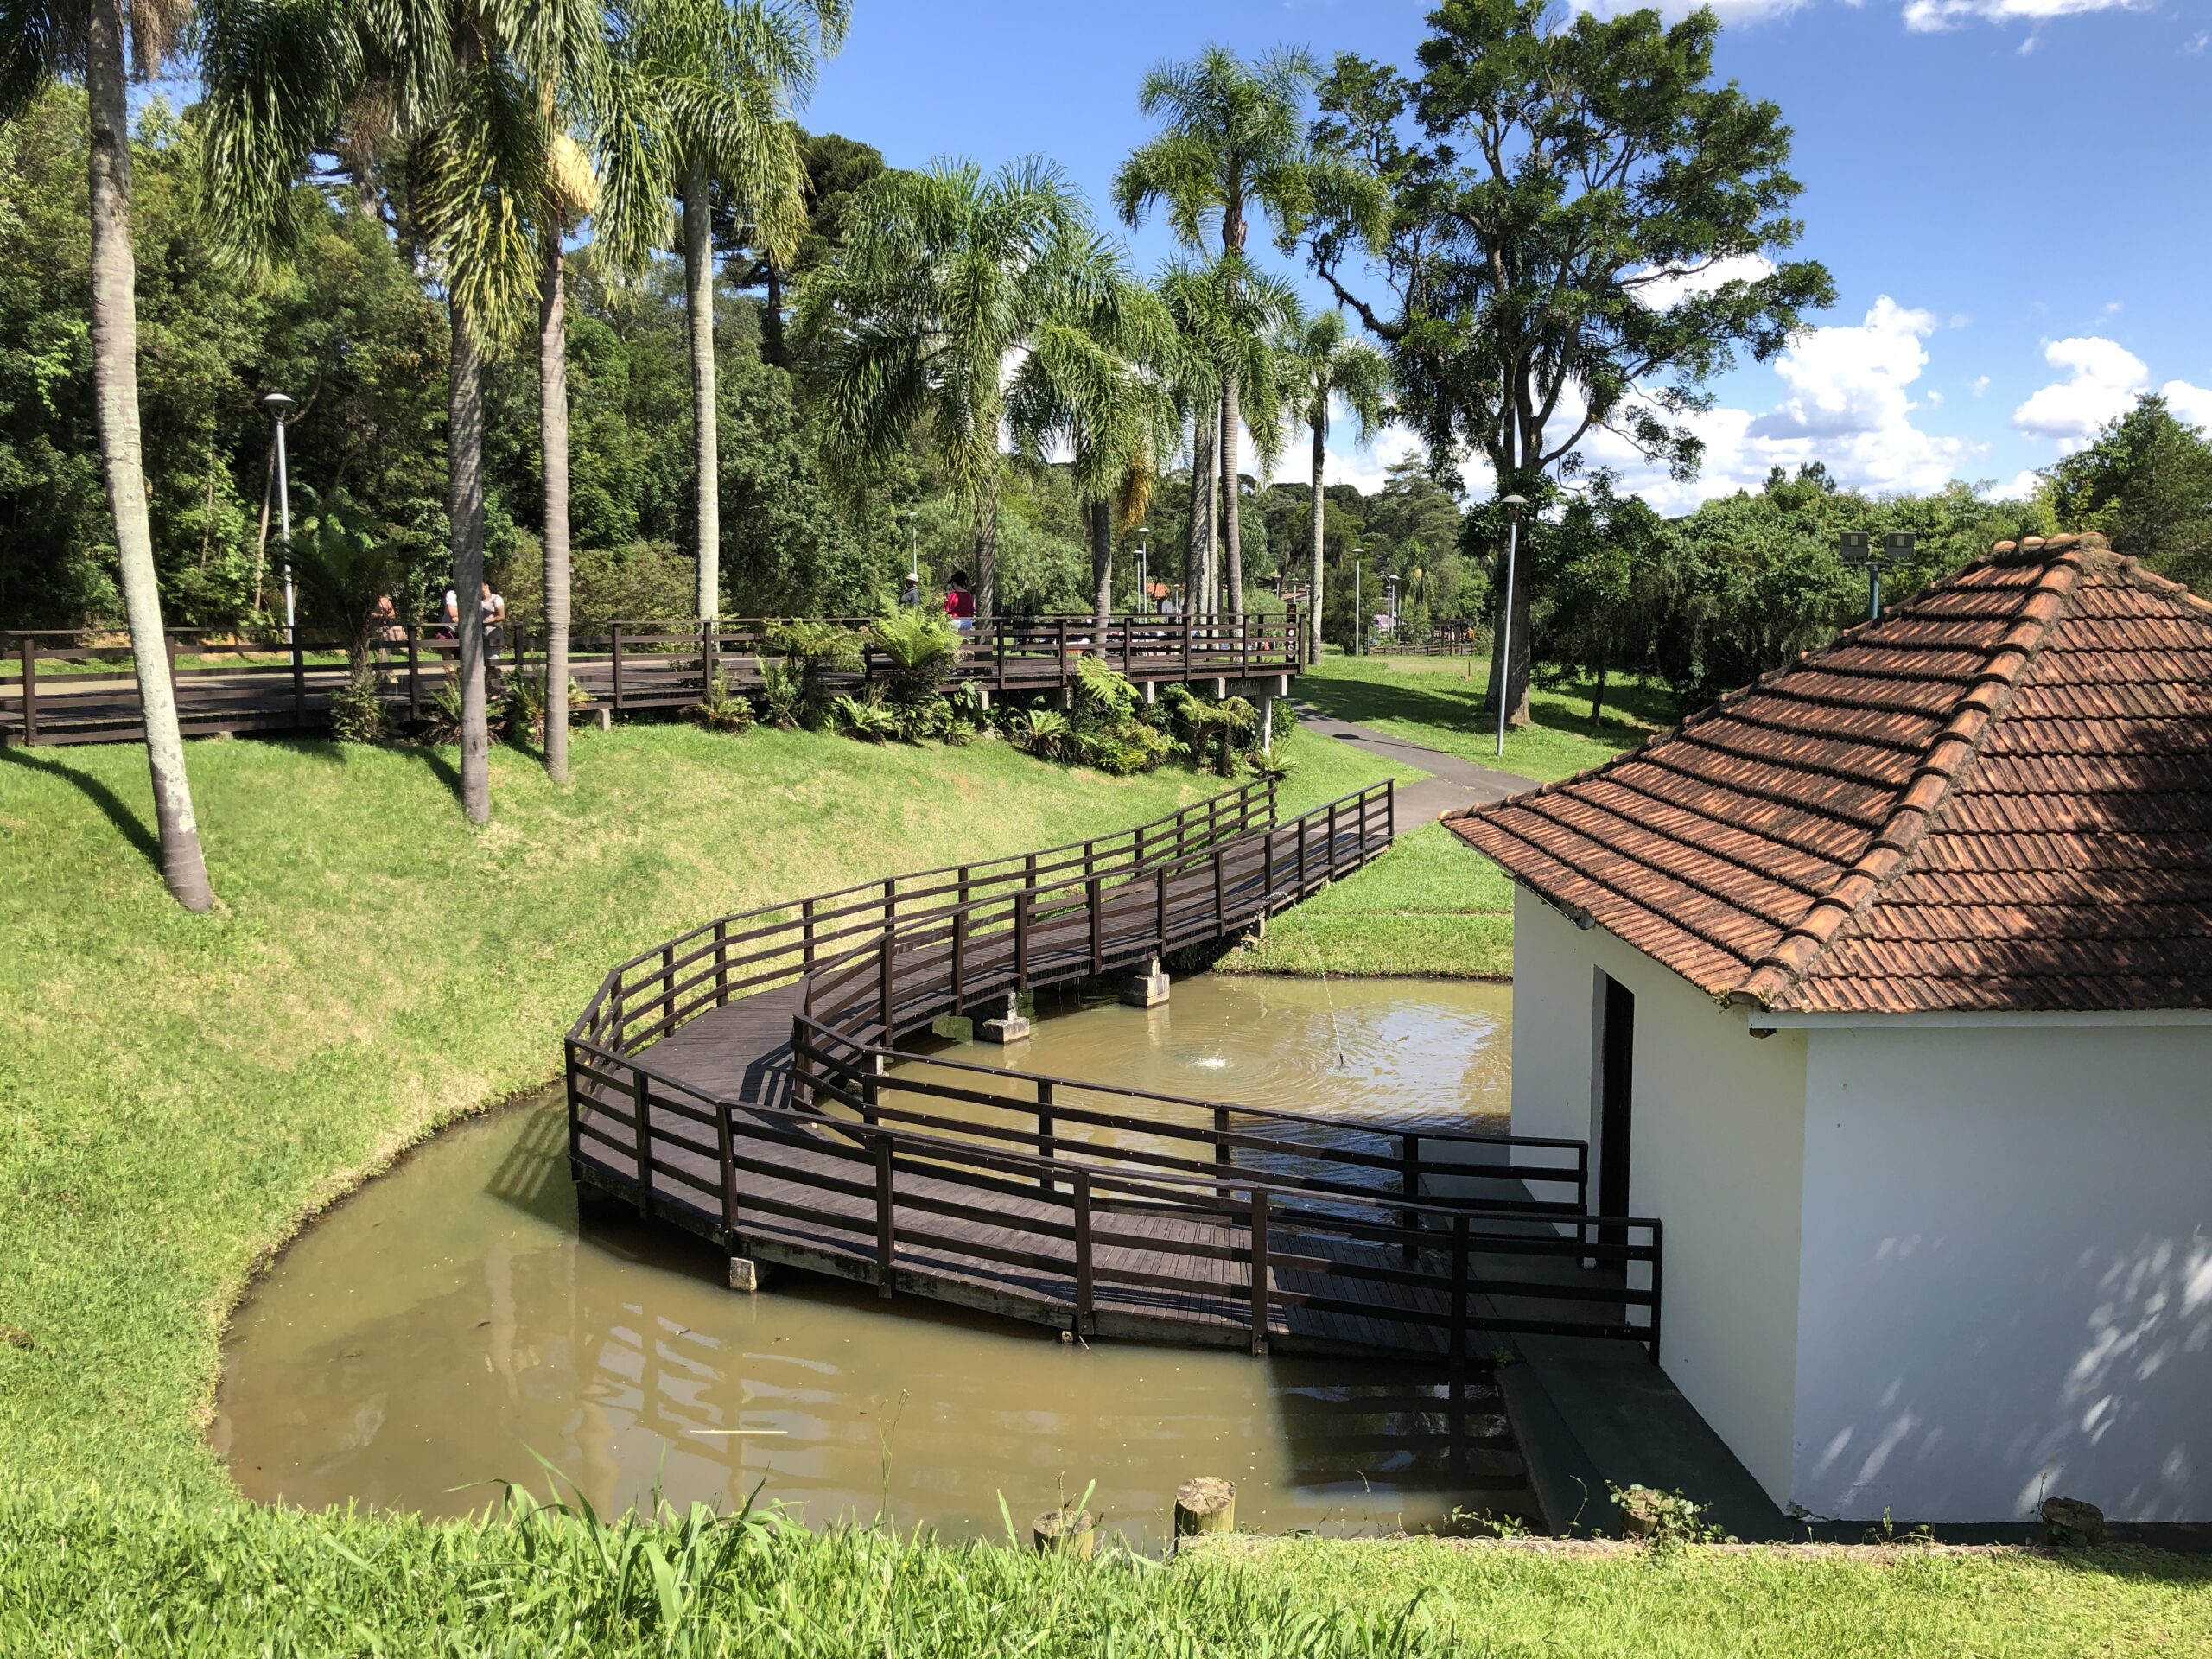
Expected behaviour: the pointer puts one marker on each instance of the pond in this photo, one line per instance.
(449, 1327)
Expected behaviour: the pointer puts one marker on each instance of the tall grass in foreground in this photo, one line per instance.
(86, 1575)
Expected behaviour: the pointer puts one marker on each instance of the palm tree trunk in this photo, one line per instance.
(1197, 540)
(1313, 590)
(114, 388)
(699, 303)
(1101, 561)
(1231, 520)
(553, 436)
(465, 516)
(987, 558)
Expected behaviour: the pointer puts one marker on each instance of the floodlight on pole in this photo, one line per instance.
(1855, 548)
(276, 403)
(1512, 503)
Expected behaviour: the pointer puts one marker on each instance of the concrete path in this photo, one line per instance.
(1453, 785)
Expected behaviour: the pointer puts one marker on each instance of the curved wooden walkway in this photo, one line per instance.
(740, 1082)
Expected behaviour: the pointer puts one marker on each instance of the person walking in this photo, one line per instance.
(910, 596)
(960, 604)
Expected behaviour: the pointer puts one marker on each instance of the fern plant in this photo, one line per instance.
(865, 718)
(721, 709)
(1043, 733)
(815, 652)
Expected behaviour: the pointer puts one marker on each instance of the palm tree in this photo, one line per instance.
(571, 193)
(1233, 139)
(1324, 362)
(39, 39)
(1098, 377)
(945, 274)
(1229, 314)
(458, 111)
(722, 78)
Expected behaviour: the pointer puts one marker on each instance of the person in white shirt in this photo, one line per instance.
(495, 610)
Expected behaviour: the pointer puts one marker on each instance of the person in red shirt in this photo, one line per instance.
(960, 602)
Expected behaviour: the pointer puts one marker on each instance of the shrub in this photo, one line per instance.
(721, 709)
(815, 652)
(922, 646)
(780, 690)
(1043, 733)
(867, 718)
(357, 710)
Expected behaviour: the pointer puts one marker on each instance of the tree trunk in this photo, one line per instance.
(1515, 630)
(1101, 561)
(465, 516)
(1232, 528)
(553, 429)
(1597, 695)
(699, 305)
(1313, 592)
(772, 347)
(1197, 537)
(114, 390)
(986, 559)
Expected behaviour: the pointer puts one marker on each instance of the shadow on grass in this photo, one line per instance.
(331, 752)
(126, 822)
(1448, 704)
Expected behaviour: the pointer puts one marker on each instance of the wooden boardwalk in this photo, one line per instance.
(749, 1069)
(61, 686)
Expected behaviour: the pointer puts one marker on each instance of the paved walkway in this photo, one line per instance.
(1453, 785)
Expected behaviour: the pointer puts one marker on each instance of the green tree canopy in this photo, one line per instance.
(2146, 483)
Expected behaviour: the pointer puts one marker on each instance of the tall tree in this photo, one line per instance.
(1577, 228)
(1325, 364)
(725, 75)
(571, 193)
(946, 273)
(39, 39)
(2147, 482)
(1098, 380)
(1229, 314)
(457, 114)
(1232, 141)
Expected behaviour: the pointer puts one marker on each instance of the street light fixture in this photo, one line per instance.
(1855, 548)
(1144, 572)
(1513, 504)
(276, 403)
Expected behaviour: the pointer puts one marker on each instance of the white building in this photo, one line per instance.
(1886, 984)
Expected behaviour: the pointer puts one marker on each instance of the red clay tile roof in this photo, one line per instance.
(1998, 795)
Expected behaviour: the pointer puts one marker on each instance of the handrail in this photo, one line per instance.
(1377, 1205)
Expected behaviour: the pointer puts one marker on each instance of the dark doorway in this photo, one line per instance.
(1616, 1071)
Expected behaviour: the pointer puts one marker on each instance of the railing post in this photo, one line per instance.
(871, 1087)
(1220, 893)
(1458, 1289)
(806, 934)
(885, 1239)
(615, 665)
(1022, 902)
(1410, 1188)
(1266, 870)
(1259, 1270)
(883, 972)
(1331, 866)
(959, 964)
(1656, 1265)
(1303, 825)
(1086, 1317)
(1048, 1147)
(722, 962)
(667, 984)
(1187, 626)
(729, 1173)
(1224, 1155)
(1094, 900)
(1390, 808)
(1063, 636)
(414, 670)
(890, 899)
(1160, 903)
(637, 1104)
(29, 649)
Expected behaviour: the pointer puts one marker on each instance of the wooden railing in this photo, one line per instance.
(284, 681)
(1492, 1231)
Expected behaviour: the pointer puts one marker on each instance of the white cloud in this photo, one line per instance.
(2103, 378)
(2197, 42)
(1926, 16)
(2190, 403)
(1668, 289)
(1979, 384)
(2022, 487)
(1935, 399)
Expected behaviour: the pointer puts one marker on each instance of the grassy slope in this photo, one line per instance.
(94, 1578)
(1437, 701)
(1429, 905)
(176, 1090)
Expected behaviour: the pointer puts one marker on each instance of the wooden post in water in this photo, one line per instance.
(1259, 1270)
(1046, 1147)
(885, 1239)
(1086, 1293)
(1205, 1504)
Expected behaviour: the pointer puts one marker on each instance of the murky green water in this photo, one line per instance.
(449, 1326)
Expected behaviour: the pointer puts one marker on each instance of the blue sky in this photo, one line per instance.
(2009, 193)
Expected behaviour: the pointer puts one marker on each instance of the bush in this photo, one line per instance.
(780, 690)
(922, 646)
(1043, 733)
(867, 718)
(721, 710)
(814, 651)
(357, 710)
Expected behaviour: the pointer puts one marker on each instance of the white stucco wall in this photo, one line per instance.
(1716, 1153)
(2006, 1273)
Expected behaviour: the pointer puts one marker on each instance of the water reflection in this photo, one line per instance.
(447, 1326)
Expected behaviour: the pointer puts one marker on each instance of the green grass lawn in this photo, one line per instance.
(1438, 701)
(1431, 905)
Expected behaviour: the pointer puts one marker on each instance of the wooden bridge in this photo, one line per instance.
(742, 1081)
(74, 686)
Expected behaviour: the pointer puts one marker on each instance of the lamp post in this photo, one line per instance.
(1856, 548)
(276, 403)
(1144, 573)
(1390, 603)
(1358, 600)
(1512, 503)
